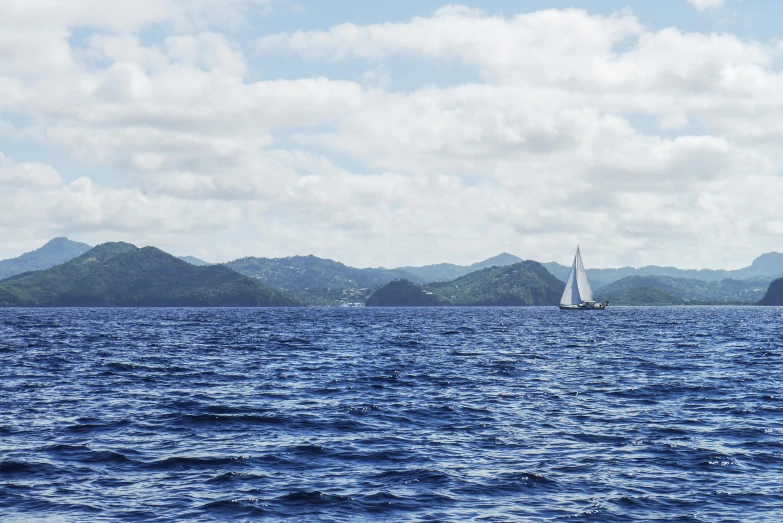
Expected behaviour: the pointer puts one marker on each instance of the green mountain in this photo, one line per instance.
(450, 271)
(766, 267)
(302, 272)
(645, 296)
(54, 252)
(194, 261)
(121, 274)
(525, 283)
(317, 281)
(403, 293)
(633, 288)
(774, 295)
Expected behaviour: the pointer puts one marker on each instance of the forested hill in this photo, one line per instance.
(121, 274)
(302, 272)
(449, 271)
(774, 295)
(634, 289)
(403, 293)
(319, 281)
(643, 296)
(525, 283)
(54, 252)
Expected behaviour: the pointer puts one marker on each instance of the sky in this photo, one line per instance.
(396, 133)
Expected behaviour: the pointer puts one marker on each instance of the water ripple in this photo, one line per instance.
(488, 414)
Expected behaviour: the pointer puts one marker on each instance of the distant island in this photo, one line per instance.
(67, 273)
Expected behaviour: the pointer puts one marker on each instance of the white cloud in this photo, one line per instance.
(535, 42)
(27, 174)
(127, 16)
(35, 203)
(210, 51)
(703, 5)
(547, 149)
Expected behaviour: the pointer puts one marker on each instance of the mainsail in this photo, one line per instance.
(577, 289)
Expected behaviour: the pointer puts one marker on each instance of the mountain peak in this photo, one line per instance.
(121, 274)
(108, 250)
(500, 260)
(56, 240)
(54, 252)
(772, 261)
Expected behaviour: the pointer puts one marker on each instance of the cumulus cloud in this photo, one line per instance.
(645, 144)
(27, 174)
(36, 203)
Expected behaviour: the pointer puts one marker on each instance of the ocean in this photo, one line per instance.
(429, 414)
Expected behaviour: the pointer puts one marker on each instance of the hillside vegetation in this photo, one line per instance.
(317, 281)
(644, 296)
(526, 283)
(121, 274)
(403, 293)
(443, 272)
(687, 290)
(774, 294)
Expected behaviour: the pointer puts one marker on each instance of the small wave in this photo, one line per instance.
(84, 453)
(229, 419)
(427, 477)
(230, 477)
(11, 468)
(246, 507)
(385, 415)
(306, 497)
(191, 462)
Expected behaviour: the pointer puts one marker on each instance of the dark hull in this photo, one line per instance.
(583, 307)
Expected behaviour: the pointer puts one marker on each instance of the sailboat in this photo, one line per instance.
(577, 294)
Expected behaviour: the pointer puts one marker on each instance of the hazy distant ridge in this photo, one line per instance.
(684, 290)
(766, 267)
(54, 252)
(450, 271)
(194, 261)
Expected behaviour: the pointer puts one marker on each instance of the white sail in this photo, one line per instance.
(571, 291)
(577, 289)
(585, 292)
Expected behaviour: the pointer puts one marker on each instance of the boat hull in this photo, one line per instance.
(584, 307)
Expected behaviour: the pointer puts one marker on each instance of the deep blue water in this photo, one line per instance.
(487, 414)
